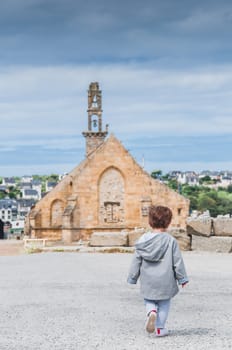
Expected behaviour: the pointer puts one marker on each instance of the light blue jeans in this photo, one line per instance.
(162, 308)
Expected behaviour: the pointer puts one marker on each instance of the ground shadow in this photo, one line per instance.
(191, 331)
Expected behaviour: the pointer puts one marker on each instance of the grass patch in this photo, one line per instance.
(33, 250)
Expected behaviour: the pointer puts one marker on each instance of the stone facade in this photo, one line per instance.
(108, 191)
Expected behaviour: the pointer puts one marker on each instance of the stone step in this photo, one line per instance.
(109, 239)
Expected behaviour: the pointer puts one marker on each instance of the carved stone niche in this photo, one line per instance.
(145, 205)
(112, 212)
(111, 197)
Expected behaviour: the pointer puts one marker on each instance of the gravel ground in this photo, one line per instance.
(67, 301)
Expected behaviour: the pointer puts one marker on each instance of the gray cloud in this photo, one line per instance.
(164, 68)
(48, 100)
(48, 32)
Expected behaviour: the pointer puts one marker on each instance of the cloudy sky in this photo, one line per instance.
(164, 68)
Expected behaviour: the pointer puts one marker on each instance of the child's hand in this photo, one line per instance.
(184, 284)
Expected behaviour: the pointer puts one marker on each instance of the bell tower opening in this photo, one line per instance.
(94, 135)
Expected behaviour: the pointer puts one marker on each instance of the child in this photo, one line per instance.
(158, 262)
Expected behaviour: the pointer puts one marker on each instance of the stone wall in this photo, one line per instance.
(129, 238)
(203, 233)
(210, 234)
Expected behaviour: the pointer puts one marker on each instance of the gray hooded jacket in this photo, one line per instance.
(159, 264)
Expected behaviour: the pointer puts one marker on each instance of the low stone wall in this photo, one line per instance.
(182, 237)
(134, 235)
(202, 234)
(201, 226)
(222, 226)
(212, 244)
(129, 238)
(210, 234)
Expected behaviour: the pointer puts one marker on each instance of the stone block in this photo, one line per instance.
(222, 226)
(182, 238)
(67, 236)
(199, 226)
(133, 236)
(109, 239)
(212, 244)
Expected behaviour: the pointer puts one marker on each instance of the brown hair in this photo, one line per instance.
(159, 216)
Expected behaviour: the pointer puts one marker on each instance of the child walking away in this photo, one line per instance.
(159, 264)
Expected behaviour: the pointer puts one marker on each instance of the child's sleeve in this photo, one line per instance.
(134, 271)
(178, 265)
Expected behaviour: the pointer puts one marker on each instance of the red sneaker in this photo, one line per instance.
(161, 332)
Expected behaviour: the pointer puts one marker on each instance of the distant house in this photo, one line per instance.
(8, 209)
(220, 178)
(24, 206)
(50, 185)
(174, 174)
(37, 185)
(26, 178)
(3, 188)
(30, 194)
(188, 177)
(226, 181)
(9, 181)
(25, 185)
(212, 174)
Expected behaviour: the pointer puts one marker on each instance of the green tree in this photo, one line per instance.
(193, 203)
(205, 202)
(173, 184)
(53, 177)
(2, 195)
(206, 180)
(190, 190)
(43, 187)
(165, 177)
(213, 194)
(156, 174)
(14, 192)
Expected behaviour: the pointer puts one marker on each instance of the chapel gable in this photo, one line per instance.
(107, 191)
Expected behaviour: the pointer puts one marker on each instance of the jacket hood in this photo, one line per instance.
(153, 249)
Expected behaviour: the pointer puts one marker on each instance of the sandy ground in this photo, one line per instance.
(67, 301)
(11, 247)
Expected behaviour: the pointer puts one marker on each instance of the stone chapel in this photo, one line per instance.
(107, 191)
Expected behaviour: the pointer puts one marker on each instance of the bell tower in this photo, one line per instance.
(94, 136)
